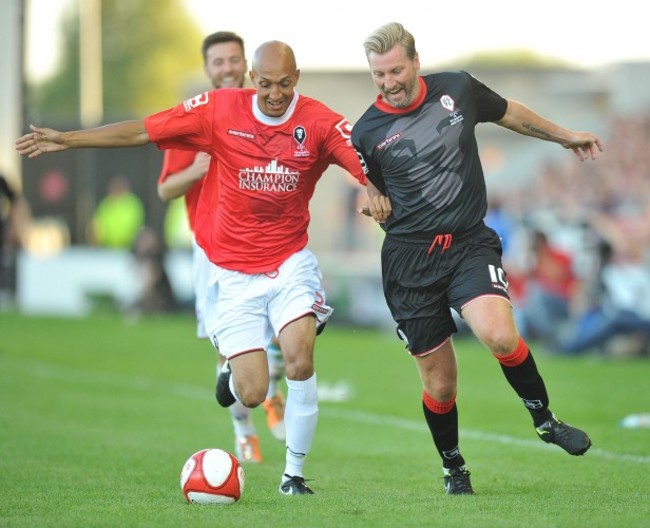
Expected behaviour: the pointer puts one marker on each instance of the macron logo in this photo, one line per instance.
(239, 133)
(388, 141)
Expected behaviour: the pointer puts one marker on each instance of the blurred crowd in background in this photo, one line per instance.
(577, 247)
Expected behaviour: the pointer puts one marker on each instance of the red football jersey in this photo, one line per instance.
(253, 210)
(175, 161)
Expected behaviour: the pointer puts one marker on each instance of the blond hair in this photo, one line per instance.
(383, 39)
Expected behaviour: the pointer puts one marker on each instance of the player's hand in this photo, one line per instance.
(39, 141)
(585, 145)
(379, 207)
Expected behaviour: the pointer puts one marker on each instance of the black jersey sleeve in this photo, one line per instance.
(372, 171)
(490, 106)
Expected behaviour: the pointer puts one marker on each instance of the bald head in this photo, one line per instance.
(274, 75)
(274, 56)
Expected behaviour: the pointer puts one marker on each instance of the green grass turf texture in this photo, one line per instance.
(98, 415)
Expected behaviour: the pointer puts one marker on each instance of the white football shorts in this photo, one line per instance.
(244, 311)
(201, 269)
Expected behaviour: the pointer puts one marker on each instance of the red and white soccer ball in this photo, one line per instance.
(212, 476)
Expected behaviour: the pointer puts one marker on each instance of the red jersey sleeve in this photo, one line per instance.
(339, 147)
(187, 126)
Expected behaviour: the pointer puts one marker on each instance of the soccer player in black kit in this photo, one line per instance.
(419, 148)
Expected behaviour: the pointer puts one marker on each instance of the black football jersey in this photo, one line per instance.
(425, 158)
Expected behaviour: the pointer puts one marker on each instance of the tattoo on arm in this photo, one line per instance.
(538, 132)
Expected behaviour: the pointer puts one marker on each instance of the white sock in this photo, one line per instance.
(276, 369)
(300, 418)
(241, 420)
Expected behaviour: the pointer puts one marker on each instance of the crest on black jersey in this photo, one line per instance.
(447, 102)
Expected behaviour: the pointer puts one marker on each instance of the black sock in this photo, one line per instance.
(444, 430)
(527, 382)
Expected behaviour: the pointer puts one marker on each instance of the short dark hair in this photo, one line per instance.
(221, 37)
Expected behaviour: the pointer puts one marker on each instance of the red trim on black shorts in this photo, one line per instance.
(427, 352)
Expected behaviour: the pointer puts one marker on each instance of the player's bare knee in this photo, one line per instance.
(442, 391)
(503, 346)
(500, 341)
(251, 396)
(300, 368)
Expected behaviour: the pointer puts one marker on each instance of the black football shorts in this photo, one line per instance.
(424, 278)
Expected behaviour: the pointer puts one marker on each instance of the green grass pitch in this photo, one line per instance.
(97, 417)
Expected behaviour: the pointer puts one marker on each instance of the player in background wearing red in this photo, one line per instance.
(269, 147)
(224, 63)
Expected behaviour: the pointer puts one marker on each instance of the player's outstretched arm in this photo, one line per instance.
(521, 119)
(42, 140)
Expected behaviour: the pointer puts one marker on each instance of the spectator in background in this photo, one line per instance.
(155, 293)
(549, 288)
(514, 241)
(14, 218)
(618, 306)
(118, 218)
(608, 203)
(501, 220)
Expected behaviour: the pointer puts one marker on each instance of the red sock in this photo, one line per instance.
(438, 407)
(515, 358)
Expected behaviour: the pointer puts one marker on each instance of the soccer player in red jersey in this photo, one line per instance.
(269, 147)
(182, 174)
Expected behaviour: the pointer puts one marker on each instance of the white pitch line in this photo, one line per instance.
(401, 423)
(140, 383)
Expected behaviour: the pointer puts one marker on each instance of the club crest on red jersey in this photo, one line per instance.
(300, 136)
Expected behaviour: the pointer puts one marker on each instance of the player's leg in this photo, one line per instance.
(274, 404)
(491, 320)
(479, 292)
(236, 320)
(415, 285)
(247, 448)
(249, 380)
(301, 412)
(439, 374)
(295, 309)
(247, 443)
